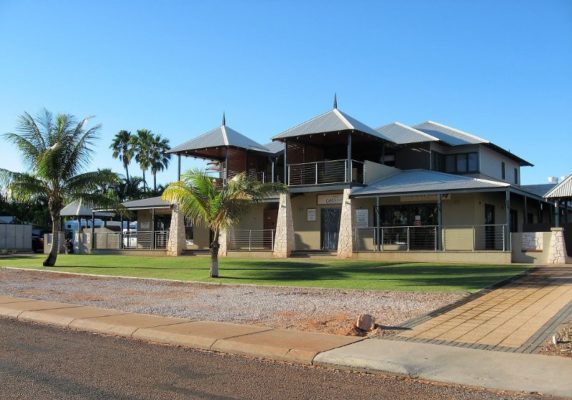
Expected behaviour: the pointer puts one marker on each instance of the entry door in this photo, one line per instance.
(489, 230)
(269, 225)
(330, 228)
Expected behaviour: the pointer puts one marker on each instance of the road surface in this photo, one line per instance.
(39, 362)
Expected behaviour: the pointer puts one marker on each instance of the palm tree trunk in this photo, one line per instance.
(144, 180)
(50, 261)
(127, 173)
(214, 256)
(154, 181)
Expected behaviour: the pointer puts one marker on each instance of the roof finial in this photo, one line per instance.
(223, 119)
(335, 100)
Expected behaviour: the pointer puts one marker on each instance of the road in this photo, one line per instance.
(39, 362)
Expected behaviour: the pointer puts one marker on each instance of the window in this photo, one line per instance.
(516, 176)
(461, 163)
(473, 162)
(503, 170)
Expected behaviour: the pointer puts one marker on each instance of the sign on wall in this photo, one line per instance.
(362, 218)
(329, 199)
(424, 198)
(311, 214)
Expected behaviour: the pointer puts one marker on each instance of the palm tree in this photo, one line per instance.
(142, 146)
(123, 149)
(159, 157)
(204, 202)
(130, 189)
(56, 151)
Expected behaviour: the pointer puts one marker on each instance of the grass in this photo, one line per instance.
(347, 274)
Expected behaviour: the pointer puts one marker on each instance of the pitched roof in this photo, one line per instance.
(418, 181)
(223, 136)
(446, 134)
(275, 147)
(539, 189)
(79, 209)
(561, 190)
(150, 202)
(331, 121)
(402, 134)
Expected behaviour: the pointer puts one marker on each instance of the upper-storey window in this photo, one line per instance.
(516, 176)
(503, 171)
(461, 163)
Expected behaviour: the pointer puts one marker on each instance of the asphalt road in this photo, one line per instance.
(39, 362)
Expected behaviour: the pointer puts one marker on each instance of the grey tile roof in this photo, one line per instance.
(220, 137)
(402, 134)
(419, 181)
(79, 209)
(539, 189)
(562, 190)
(275, 147)
(150, 202)
(331, 121)
(446, 134)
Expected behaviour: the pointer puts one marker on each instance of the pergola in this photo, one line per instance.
(561, 194)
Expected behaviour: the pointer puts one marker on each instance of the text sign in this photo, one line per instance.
(328, 199)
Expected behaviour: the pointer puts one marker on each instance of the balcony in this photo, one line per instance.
(325, 172)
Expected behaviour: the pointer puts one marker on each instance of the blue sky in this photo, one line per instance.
(498, 69)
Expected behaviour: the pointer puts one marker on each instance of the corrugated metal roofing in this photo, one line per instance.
(275, 147)
(424, 181)
(78, 209)
(220, 137)
(150, 202)
(446, 134)
(539, 189)
(562, 190)
(331, 121)
(402, 134)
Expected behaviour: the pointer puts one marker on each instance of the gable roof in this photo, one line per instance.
(561, 190)
(79, 209)
(223, 136)
(331, 121)
(420, 181)
(539, 189)
(275, 147)
(402, 134)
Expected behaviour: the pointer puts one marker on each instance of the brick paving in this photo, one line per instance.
(510, 318)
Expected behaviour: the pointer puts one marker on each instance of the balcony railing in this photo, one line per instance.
(252, 239)
(325, 172)
(432, 238)
(137, 240)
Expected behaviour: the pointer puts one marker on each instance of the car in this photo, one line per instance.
(38, 240)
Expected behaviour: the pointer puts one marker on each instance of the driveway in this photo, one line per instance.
(516, 317)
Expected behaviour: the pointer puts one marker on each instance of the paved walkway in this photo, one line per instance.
(516, 317)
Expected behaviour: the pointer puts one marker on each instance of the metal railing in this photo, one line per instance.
(252, 239)
(136, 240)
(432, 238)
(324, 172)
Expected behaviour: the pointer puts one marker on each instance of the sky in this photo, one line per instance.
(497, 69)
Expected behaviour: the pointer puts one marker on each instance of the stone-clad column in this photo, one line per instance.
(557, 250)
(284, 239)
(345, 237)
(177, 239)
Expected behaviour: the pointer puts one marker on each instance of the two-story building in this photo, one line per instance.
(423, 192)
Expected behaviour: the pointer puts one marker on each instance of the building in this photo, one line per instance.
(427, 192)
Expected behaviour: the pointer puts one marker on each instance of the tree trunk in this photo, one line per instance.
(127, 173)
(50, 261)
(144, 180)
(154, 181)
(214, 256)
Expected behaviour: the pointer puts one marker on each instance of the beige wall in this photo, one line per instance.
(490, 165)
(538, 256)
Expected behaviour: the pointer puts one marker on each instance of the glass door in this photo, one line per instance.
(330, 228)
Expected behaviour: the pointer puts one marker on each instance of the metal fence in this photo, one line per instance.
(323, 172)
(252, 239)
(15, 237)
(136, 240)
(432, 238)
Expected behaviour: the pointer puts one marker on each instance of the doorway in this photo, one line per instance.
(489, 227)
(270, 215)
(330, 228)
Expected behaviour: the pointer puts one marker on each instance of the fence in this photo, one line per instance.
(138, 240)
(15, 237)
(252, 239)
(323, 172)
(431, 238)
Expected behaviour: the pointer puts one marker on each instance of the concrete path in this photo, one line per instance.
(511, 318)
(258, 341)
(483, 368)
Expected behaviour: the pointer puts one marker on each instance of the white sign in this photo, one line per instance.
(328, 199)
(362, 218)
(311, 214)
(423, 198)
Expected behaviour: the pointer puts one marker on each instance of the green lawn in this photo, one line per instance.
(292, 272)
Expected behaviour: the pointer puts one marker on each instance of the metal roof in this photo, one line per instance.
(402, 134)
(78, 209)
(331, 121)
(539, 189)
(561, 190)
(418, 181)
(275, 147)
(446, 134)
(150, 202)
(223, 136)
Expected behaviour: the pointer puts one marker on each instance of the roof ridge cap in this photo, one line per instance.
(343, 118)
(458, 130)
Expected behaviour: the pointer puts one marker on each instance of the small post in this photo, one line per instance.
(272, 239)
(288, 175)
(506, 243)
(407, 238)
(435, 237)
(272, 170)
(439, 219)
(316, 173)
(152, 229)
(474, 238)
(178, 167)
(249, 239)
(92, 231)
(121, 233)
(381, 229)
